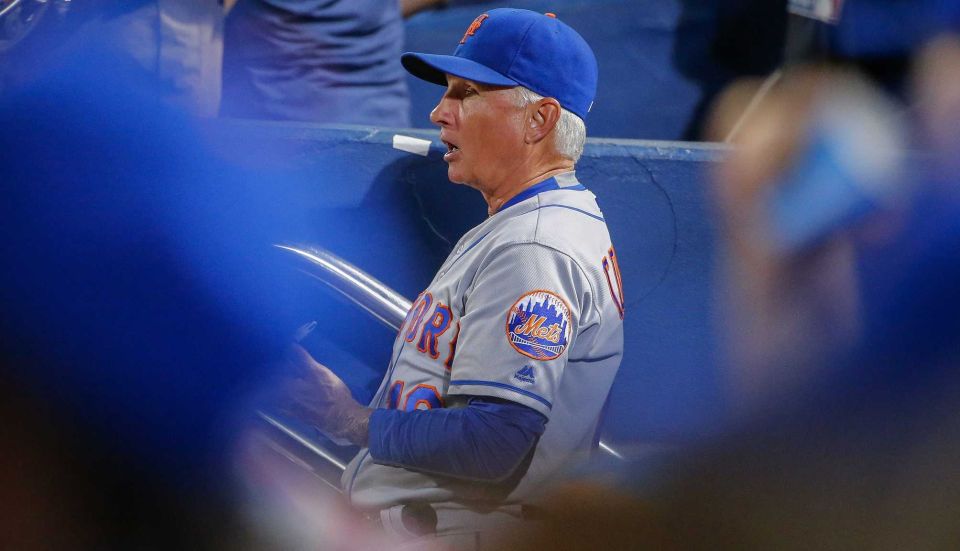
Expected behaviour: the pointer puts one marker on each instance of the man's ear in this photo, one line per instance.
(542, 119)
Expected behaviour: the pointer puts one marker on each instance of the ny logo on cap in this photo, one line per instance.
(472, 29)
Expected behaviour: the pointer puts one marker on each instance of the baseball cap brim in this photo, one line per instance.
(434, 68)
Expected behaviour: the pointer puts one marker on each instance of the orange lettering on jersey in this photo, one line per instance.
(531, 327)
(553, 335)
(609, 263)
(453, 349)
(472, 29)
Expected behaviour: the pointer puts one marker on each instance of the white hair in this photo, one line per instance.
(571, 132)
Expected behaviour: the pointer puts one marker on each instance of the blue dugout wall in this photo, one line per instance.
(395, 215)
(658, 68)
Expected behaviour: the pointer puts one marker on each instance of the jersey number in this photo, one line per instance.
(612, 270)
(420, 397)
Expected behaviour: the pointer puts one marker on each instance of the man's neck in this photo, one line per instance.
(498, 198)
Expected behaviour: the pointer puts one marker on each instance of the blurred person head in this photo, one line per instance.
(519, 87)
(814, 163)
(130, 324)
(861, 460)
(936, 89)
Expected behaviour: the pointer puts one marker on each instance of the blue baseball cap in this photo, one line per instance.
(513, 47)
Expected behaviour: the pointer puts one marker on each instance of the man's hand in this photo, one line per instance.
(321, 398)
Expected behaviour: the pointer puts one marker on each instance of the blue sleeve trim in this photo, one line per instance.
(485, 441)
(494, 384)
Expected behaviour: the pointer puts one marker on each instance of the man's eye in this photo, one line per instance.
(469, 92)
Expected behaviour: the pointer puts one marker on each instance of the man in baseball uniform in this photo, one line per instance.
(502, 367)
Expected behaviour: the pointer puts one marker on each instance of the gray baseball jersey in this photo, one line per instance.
(528, 307)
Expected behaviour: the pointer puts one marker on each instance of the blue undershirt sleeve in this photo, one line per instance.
(486, 440)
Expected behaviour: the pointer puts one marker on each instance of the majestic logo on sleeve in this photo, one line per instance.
(538, 325)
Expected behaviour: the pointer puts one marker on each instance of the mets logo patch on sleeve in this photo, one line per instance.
(538, 325)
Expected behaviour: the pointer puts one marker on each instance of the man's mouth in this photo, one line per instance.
(452, 149)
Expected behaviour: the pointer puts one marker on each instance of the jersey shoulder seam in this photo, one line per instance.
(541, 204)
(503, 247)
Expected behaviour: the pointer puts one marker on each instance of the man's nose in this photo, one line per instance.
(441, 114)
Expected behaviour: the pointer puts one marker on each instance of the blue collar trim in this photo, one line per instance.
(549, 184)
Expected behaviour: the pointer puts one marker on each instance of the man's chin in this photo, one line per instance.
(454, 176)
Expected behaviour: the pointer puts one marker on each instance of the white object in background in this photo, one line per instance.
(827, 11)
(411, 144)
